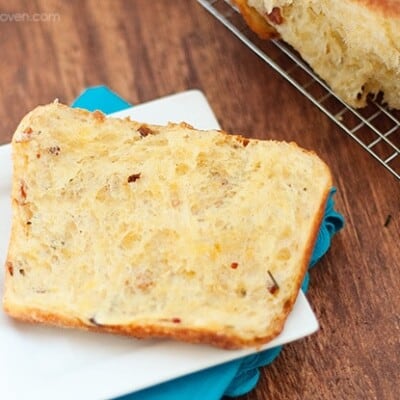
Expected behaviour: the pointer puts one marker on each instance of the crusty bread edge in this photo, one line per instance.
(259, 24)
(193, 335)
(387, 8)
(256, 21)
(150, 331)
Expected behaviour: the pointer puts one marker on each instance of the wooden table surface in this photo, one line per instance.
(147, 49)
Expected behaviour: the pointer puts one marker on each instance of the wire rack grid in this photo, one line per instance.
(375, 128)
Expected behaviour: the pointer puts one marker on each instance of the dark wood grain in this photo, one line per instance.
(146, 49)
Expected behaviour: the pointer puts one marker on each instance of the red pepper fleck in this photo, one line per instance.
(23, 190)
(133, 177)
(28, 130)
(10, 268)
(234, 265)
(38, 155)
(176, 320)
(273, 289)
(245, 142)
(275, 16)
(144, 130)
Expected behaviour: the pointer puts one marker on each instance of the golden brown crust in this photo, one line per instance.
(224, 341)
(255, 21)
(259, 23)
(388, 8)
(311, 241)
(99, 116)
(304, 262)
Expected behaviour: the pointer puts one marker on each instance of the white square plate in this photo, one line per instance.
(40, 362)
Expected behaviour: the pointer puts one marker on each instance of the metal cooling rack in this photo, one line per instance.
(375, 128)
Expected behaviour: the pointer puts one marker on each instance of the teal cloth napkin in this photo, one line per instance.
(236, 377)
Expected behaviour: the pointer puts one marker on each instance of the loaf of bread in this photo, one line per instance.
(354, 45)
(155, 231)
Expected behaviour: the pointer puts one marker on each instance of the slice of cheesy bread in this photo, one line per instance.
(158, 231)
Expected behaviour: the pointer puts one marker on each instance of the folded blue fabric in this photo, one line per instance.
(100, 98)
(236, 377)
